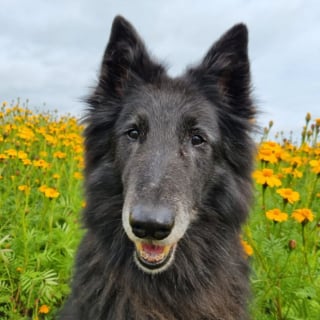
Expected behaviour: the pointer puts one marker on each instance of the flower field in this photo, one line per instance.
(41, 162)
(283, 231)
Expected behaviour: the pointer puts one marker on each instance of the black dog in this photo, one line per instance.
(168, 186)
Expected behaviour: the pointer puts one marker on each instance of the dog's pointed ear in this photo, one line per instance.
(225, 71)
(125, 59)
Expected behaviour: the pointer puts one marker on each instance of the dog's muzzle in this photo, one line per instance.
(151, 226)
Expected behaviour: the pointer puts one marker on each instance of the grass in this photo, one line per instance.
(41, 197)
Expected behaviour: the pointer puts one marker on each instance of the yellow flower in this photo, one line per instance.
(297, 161)
(50, 139)
(27, 162)
(51, 193)
(3, 156)
(266, 178)
(41, 164)
(11, 153)
(78, 148)
(44, 309)
(24, 188)
(267, 151)
(315, 164)
(289, 146)
(42, 188)
(289, 195)
(26, 133)
(22, 155)
(294, 172)
(78, 175)
(276, 215)
(59, 155)
(56, 176)
(303, 215)
(247, 248)
(306, 148)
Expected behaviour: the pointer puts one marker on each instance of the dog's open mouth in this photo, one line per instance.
(153, 256)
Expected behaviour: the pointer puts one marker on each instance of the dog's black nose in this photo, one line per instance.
(151, 222)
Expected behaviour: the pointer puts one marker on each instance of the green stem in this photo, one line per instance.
(264, 188)
(305, 250)
(278, 302)
(313, 191)
(24, 230)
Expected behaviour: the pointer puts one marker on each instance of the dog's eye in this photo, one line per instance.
(133, 134)
(196, 140)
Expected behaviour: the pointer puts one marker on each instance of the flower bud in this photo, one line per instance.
(292, 244)
(308, 117)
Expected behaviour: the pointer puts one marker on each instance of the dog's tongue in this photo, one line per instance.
(152, 248)
(152, 254)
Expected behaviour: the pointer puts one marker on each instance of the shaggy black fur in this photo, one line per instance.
(208, 278)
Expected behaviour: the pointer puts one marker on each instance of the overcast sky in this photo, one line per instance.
(51, 49)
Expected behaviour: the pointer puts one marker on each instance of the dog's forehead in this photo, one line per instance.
(171, 104)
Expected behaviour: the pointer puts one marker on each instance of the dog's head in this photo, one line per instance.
(173, 142)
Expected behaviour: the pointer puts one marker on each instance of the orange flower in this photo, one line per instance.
(276, 215)
(247, 248)
(44, 309)
(266, 177)
(303, 215)
(289, 195)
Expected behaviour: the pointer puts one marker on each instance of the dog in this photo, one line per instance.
(168, 165)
